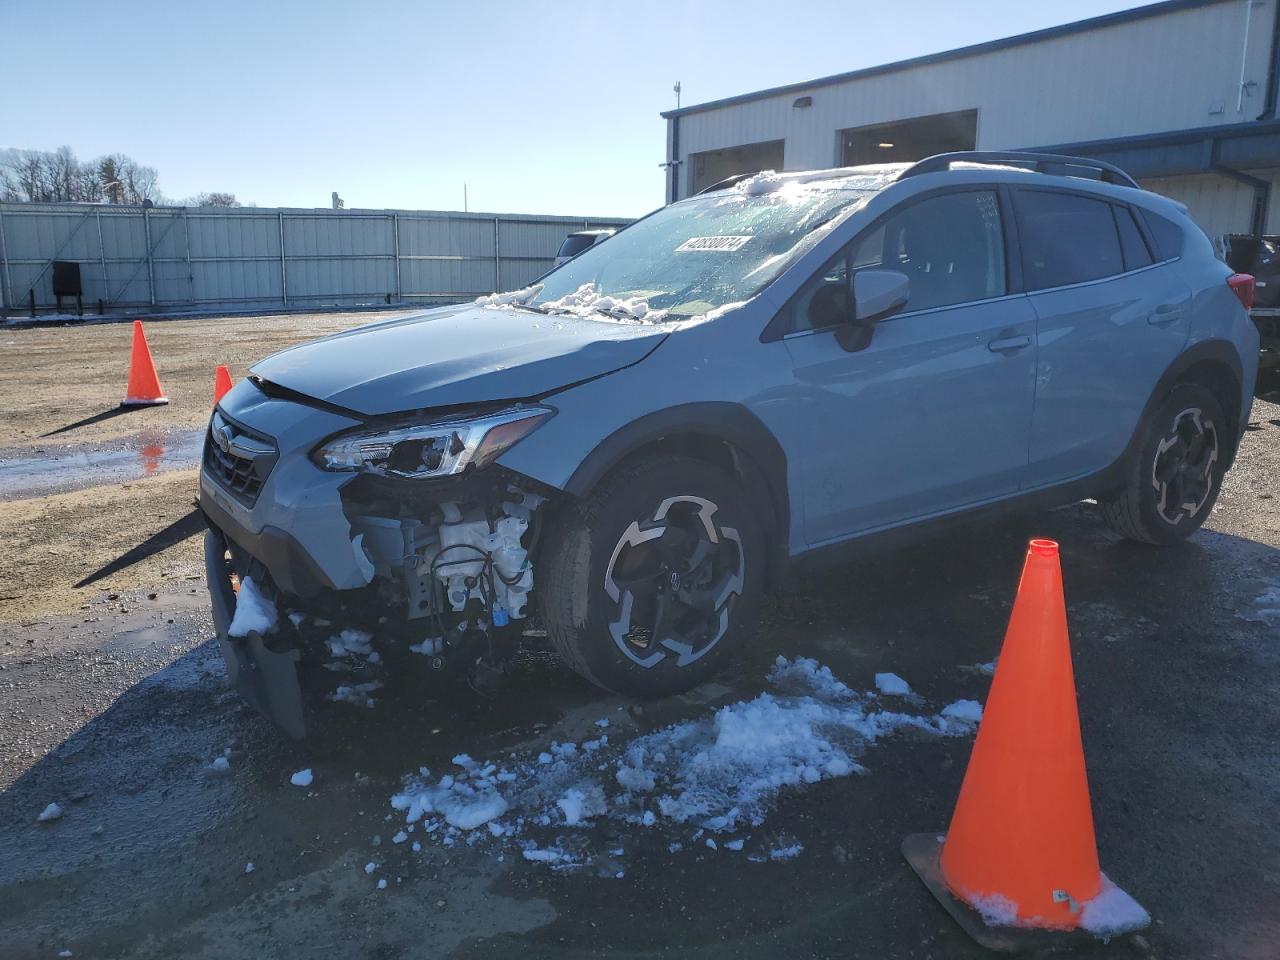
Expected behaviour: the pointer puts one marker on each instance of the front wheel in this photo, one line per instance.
(648, 581)
(1173, 483)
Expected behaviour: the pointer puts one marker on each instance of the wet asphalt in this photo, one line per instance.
(116, 713)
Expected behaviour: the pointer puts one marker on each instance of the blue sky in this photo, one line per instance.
(538, 107)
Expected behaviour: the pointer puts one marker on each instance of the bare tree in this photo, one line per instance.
(30, 172)
(212, 199)
(63, 173)
(39, 176)
(139, 182)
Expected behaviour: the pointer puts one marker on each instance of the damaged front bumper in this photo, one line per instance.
(266, 677)
(446, 562)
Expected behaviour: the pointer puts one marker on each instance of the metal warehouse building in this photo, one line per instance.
(1181, 94)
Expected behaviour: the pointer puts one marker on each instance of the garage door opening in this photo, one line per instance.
(906, 140)
(714, 165)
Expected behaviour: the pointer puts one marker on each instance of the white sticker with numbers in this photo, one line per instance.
(712, 244)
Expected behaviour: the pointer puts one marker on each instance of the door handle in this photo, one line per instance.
(1000, 344)
(1165, 313)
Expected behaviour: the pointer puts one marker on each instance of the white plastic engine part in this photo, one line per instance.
(464, 544)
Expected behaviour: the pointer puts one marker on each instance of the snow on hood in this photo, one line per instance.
(585, 302)
(511, 298)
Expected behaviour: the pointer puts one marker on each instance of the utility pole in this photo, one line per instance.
(464, 197)
(676, 88)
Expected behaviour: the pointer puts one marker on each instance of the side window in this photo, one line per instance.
(950, 246)
(1132, 243)
(1066, 238)
(1167, 235)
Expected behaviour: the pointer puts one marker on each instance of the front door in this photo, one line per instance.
(934, 414)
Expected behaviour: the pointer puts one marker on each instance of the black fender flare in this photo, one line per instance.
(722, 421)
(1212, 351)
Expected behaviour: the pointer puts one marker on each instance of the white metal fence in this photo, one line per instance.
(183, 258)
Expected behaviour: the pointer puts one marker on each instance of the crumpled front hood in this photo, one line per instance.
(457, 355)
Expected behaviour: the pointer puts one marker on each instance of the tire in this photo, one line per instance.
(1173, 482)
(668, 527)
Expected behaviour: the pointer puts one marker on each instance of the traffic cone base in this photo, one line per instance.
(144, 383)
(923, 851)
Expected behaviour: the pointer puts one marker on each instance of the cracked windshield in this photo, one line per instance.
(706, 253)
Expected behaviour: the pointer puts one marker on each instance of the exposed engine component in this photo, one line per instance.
(460, 553)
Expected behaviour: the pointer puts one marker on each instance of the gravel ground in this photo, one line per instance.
(114, 706)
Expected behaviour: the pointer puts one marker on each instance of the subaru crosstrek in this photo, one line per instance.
(635, 449)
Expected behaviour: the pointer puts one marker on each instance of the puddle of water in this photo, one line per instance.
(75, 466)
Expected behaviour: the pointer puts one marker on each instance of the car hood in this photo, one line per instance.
(457, 355)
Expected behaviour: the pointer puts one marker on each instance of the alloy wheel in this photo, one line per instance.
(1183, 470)
(674, 577)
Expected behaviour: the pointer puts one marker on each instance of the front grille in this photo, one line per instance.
(238, 458)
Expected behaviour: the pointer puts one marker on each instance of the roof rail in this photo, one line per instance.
(1037, 162)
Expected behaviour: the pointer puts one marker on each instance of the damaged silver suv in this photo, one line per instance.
(636, 448)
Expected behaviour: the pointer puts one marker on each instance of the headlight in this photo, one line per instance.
(420, 451)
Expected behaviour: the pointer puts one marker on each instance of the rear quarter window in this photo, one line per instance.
(1132, 242)
(1167, 235)
(1066, 238)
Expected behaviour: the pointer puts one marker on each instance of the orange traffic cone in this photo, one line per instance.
(144, 385)
(221, 383)
(1018, 867)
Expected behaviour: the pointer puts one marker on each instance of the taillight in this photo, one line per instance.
(1241, 285)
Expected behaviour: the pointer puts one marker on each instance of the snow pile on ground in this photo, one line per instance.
(356, 694)
(463, 804)
(892, 685)
(1268, 604)
(255, 613)
(721, 774)
(354, 643)
(302, 778)
(586, 301)
(51, 812)
(510, 298)
(964, 711)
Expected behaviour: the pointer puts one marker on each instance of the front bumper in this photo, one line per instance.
(267, 678)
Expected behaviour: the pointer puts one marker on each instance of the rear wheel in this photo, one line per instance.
(1175, 479)
(648, 580)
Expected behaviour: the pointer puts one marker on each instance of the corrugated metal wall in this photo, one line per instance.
(1172, 71)
(171, 258)
(1219, 205)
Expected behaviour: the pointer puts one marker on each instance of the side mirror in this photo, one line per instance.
(877, 294)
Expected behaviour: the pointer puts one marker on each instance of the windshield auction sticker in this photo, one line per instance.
(712, 244)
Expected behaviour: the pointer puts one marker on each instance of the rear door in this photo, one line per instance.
(1110, 318)
(934, 414)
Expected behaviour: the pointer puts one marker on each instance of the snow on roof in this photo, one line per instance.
(872, 176)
